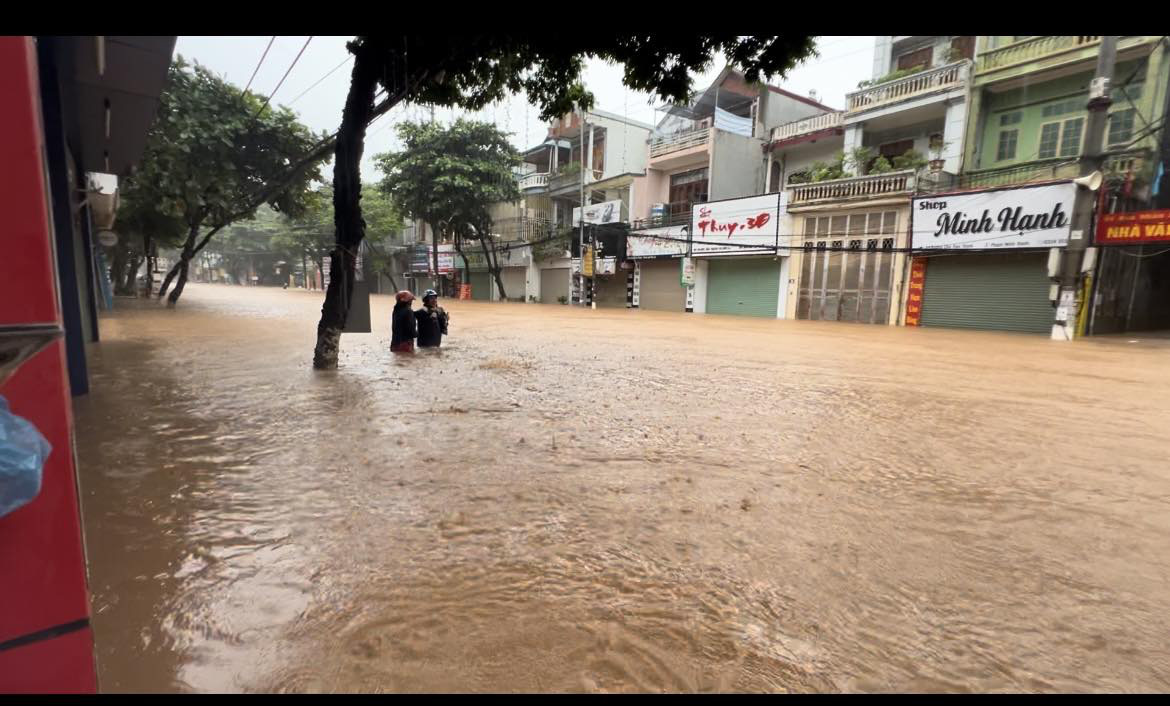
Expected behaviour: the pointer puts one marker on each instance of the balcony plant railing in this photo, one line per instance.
(891, 184)
(1030, 49)
(816, 123)
(679, 141)
(922, 83)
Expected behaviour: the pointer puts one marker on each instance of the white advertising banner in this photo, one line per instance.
(658, 242)
(1024, 217)
(599, 213)
(738, 226)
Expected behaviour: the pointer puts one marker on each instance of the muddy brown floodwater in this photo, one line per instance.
(616, 500)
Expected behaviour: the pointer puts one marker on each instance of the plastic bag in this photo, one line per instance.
(23, 451)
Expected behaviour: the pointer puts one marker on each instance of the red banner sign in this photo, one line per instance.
(915, 290)
(1133, 228)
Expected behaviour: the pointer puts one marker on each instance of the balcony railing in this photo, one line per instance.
(534, 181)
(666, 144)
(922, 83)
(1116, 165)
(891, 184)
(557, 182)
(1030, 50)
(675, 214)
(807, 126)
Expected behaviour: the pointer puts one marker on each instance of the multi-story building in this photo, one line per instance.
(849, 176)
(1026, 128)
(710, 151)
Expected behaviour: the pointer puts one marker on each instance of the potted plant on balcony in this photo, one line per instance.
(937, 145)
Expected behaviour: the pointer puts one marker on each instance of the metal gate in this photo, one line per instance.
(847, 268)
(743, 287)
(1000, 292)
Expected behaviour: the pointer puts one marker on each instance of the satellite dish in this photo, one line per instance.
(108, 238)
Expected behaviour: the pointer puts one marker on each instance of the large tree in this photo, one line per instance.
(215, 154)
(449, 177)
(471, 71)
(143, 230)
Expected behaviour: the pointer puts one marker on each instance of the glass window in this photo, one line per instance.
(889, 222)
(1121, 126)
(1049, 134)
(1012, 118)
(1070, 140)
(1007, 145)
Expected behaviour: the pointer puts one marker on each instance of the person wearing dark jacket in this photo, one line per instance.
(402, 324)
(432, 321)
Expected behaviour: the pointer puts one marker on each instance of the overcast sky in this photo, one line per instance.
(843, 61)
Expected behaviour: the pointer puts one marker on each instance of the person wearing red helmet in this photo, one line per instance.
(403, 328)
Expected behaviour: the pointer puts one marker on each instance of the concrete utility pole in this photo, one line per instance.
(1064, 329)
(581, 231)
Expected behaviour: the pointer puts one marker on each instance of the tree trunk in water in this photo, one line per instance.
(146, 244)
(118, 268)
(435, 255)
(463, 256)
(188, 251)
(493, 265)
(347, 211)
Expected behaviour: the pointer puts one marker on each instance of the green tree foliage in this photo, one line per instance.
(450, 177)
(213, 158)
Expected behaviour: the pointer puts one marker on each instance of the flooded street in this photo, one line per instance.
(616, 500)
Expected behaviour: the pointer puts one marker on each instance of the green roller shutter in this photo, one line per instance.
(744, 287)
(1007, 292)
(481, 286)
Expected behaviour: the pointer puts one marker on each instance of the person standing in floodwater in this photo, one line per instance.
(402, 324)
(432, 321)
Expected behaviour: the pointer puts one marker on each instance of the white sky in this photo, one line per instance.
(843, 61)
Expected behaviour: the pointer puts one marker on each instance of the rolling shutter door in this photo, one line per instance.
(481, 286)
(515, 283)
(554, 283)
(659, 288)
(992, 292)
(743, 287)
(611, 291)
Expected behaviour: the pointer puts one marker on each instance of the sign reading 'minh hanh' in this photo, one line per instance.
(1133, 228)
(1021, 217)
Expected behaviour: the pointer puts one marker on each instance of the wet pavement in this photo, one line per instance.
(613, 500)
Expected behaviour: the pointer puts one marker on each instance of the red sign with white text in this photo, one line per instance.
(915, 291)
(1133, 228)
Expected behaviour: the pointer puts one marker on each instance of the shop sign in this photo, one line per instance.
(737, 226)
(658, 242)
(1133, 228)
(915, 291)
(687, 272)
(1002, 219)
(600, 213)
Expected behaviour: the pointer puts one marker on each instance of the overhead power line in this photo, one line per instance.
(262, 58)
(282, 78)
(318, 81)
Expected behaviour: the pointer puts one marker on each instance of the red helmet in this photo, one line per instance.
(404, 296)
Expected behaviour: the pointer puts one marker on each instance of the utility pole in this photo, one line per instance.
(1064, 329)
(581, 227)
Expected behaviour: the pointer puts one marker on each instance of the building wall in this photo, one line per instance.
(1030, 101)
(780, 109)
(737, 166)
